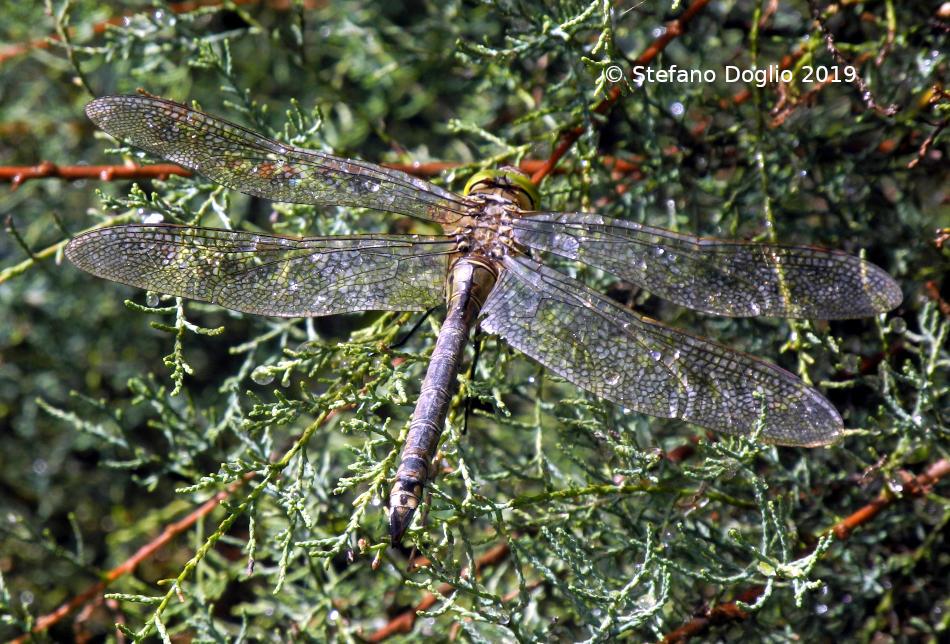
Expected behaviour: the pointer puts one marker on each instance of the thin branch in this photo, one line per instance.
(858, 82)
(730, 611)
(933, 292)
(936, 95)
(23, 266)
(672, 31)
(404, 622)
(129, 565)
(17, 175)
(913, 486)
(943, 236)
(19, 49)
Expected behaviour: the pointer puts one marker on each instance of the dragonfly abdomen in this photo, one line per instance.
(468, 284)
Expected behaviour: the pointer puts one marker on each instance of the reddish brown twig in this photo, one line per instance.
(731, 611)
(869, 364)
(936, 95)
(17, 175)
(781, 114)
(130, 564)
(933, 292)
(913, 486)
(864, 91)
(175, 7)
(673, 30)
(943, 236)
(404, 622)
(161, 171)
(745, 94)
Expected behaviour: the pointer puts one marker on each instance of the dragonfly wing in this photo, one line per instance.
(269, 274)
(239, 158)
(717, 276)
(647, 366)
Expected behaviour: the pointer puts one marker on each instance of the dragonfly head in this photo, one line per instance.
(508, 182)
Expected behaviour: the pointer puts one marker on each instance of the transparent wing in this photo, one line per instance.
(244, 160)
(733, 278)
(270, 274)
(647, 366)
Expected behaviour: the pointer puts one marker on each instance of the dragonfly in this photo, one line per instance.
(487, 271)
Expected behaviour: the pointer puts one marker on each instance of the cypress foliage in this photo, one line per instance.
(585, 522)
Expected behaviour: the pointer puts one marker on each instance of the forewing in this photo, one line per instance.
(270, 274)
(647, 366)
(244, 160)
(717, 276)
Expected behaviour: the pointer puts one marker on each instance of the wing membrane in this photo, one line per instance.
(722, 277)
(270, 274)
(647, 366)
(244, 160)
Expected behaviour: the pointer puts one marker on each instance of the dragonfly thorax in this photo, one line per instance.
(486, 232)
